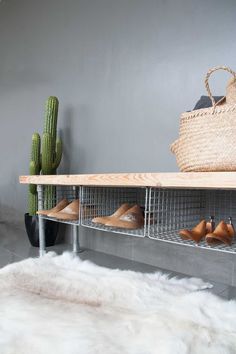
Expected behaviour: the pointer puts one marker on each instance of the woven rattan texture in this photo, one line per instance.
(207, 136)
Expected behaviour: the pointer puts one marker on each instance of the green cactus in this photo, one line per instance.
(51, 154)
(50, 157)
(35, 158)
(34, 170)
(51, 146)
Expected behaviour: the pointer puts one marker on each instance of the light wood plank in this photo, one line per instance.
(206, 180)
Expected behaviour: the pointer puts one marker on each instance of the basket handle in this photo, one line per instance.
(214, 103)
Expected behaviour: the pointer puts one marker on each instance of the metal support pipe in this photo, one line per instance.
(42, 249)
(75, 228)
(75, 234)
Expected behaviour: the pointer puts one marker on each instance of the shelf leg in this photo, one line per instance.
(42, 249)
(75, 228)
(75, 234)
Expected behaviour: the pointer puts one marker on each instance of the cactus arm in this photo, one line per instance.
(47, 154)
(33, 171)
(50, 123)
(32, 203)
(34, 168)
(58, 154)
(35, 151)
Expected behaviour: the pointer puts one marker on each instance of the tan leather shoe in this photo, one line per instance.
(223, 234)
(70, 212)
(196, 234)
(61, 205)
(131, 219)
(104, 219)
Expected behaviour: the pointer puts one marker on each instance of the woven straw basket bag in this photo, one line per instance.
(207, 139)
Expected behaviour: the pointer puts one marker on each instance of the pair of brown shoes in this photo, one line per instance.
(126, 217)
(64, 210)
(223, 233)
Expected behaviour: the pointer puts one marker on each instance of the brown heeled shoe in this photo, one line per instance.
(69, 213)
(120, 211)
(223, 233)
(196, 234)
(199, 231)
(61, 205)
(230, 227)
(210, 225)
(131, 219)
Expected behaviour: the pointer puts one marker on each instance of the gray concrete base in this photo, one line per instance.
(193, 261)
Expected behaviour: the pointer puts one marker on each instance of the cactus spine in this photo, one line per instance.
(50, 157)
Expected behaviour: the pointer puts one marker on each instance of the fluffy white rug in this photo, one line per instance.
(62, 305)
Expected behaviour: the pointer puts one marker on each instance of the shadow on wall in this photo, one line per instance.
(13, 200)
(66, 134)
(70, 132)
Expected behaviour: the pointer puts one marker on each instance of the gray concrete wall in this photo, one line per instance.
(123, 71)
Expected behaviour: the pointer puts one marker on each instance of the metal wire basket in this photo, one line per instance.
(68, 192)
(170, 210)
(104, 201)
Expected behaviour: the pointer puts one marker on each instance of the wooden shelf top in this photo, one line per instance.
(200, 180)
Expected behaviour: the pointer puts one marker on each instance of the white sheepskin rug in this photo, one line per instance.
(62, 305)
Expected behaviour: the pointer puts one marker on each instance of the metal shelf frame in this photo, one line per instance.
(70, 193)
(166, 211)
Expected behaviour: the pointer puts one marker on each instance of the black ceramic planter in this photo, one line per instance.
(32, 229)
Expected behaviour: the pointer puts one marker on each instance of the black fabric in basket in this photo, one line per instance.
(205, 102)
